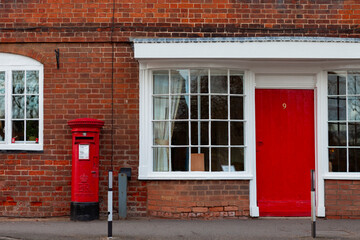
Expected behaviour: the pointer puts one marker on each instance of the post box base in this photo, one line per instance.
(84, 211)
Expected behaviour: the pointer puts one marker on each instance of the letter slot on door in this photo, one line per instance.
(85, 169)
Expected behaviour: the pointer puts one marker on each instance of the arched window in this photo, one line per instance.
(21, 103)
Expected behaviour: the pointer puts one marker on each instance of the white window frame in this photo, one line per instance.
(9, 63)
(146, 138)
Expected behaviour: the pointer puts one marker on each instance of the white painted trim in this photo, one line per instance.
(8, 59)
(269, 81)
(248, 50)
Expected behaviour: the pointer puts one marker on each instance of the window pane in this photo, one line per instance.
(354, 83)
(18, 83)
(161, 82)
(218, 81)
(32, 130)
(337, 108)
(180, 159)
(2, 106)
(354, 160)
(199, 107)
(180, 133)
(2, 82)
(161, 133)
(18, 107)
(2, 130)
(337, 160)
(180, 107)
(237, 133)
(179, 81)
(236, 108)
(199, 159)
(237, 159)
(18, 130)
(336, 84)
(354, 108)
(32, 106)
(236, 83)
(32, 82)
(161, 108)
(219, 107)
(354, 134)
(199, 133)
(199, 81)
(337, 134)
(219, 133)
(219, 159)
(161, 159)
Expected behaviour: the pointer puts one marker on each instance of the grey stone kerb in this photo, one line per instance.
(245, 40)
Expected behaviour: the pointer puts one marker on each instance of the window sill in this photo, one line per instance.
(342, 176)
(196, 176)
(22, 147)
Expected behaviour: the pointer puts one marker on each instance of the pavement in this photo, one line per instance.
(159, 229)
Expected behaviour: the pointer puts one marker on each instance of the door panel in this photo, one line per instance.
(285, 151)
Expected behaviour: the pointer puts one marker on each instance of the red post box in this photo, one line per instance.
(85, 169)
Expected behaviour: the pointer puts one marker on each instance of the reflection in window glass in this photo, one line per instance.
(337, 160)
(336, 83)
(193, 110)
(354, 83)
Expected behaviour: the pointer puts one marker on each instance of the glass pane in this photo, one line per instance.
(237, 159)
(18, 130)
(337, 134)
(180, 159)
(199, 107)
(354, 108)
(199, 159)
(18, 105)
(199, 133)
(161, 159)
(161, 108)
(2, 82)
(180, 107)
(354, 159)
(199, 81)
(161, 82)
(219, 107)
(337, 160)
(32, 82)
(179, 81)
(354, 83)
(336, 83)
(219, 133)
(18, 83)
(237, 133)
(218, 81)
(354, 134)
(161, 133)
(2, 106)
(219, 159)
(180, 133)
(236, 108)
(32, 131)
(236, 82)
(337, 108)
(2, 130)
(32, 106)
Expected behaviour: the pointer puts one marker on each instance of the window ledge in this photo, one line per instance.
(342, 176)
(196, 176)
(25, 147)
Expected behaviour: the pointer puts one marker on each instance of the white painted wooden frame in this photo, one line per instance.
(13, 62)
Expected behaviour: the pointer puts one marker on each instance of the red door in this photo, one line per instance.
(285, 151)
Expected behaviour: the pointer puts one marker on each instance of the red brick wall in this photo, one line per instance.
(342, 199)
(198, 199)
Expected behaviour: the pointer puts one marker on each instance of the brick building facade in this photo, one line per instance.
(91, 38)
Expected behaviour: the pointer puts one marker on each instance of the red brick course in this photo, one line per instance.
(198, 199)
(342, 198)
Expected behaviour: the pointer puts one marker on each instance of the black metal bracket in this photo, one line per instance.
(57, 54)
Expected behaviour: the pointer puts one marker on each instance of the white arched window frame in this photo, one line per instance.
(28, 118)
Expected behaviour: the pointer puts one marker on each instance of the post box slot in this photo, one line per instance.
(84, 138)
